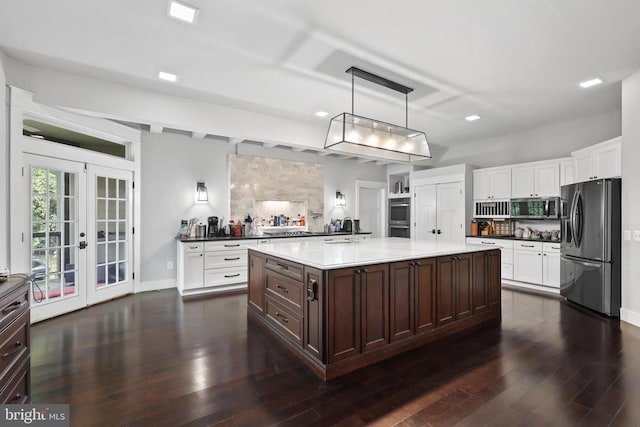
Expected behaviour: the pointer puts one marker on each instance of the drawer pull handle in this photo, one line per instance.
(282, 288)
(17, 397)
(17, 347)
(193, 247)
(232, 275)
(232, 246)
(281, 317)
(527, 246)
(488, 243)
(312, 290)
(232, 259)
(285, 267)
(11, 307)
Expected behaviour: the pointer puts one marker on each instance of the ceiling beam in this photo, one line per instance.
(382, 162)
(198, 135)
(235, 141)
(325, 153)
(365, 160)
(298, 149)
(156, 128)
(269, 145)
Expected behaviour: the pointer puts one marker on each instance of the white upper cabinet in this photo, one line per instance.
(598, 161)
(493, 183)
(567, 171)
(535, 180)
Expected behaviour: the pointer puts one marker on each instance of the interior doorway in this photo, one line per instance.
(371, 207)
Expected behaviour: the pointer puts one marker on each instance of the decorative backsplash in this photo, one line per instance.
(255, 179)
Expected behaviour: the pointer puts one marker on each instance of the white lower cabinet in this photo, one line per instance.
(537, 263)
(551, 265)
(506, 253)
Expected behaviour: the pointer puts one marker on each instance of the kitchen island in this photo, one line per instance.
(347, 304)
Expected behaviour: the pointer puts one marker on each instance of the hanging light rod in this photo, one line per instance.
(381, 81)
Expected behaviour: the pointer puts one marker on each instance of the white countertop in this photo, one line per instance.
(331, 255)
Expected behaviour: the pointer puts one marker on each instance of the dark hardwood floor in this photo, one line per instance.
(153, 360)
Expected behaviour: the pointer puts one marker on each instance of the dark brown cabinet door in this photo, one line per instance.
(463, 285)
(256, 281)
(374, 290)
(313, 312)
(494, 277)
(401, 314)
(480, 283)
(446, 290)
(343, 306)
(425, 295)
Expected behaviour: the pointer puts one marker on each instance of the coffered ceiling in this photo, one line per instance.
(517, 64)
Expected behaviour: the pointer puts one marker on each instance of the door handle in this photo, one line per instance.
(439, 232)
(433, 231)
(83, 245)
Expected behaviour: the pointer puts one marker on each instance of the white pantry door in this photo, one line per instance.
(450, 213)
(425, 221)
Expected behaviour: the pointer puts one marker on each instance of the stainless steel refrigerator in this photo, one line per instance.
(590, 248)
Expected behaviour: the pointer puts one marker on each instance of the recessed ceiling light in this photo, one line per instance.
(472, 118)
(589, 83)
(163, 75)
(182, 11)
(322, 114)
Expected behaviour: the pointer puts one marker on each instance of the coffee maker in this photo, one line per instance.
(213, 226)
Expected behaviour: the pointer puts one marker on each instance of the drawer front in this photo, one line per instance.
(227, 245)
(528, 246)
(220, 259)
(17, 391)
(551, 248)
(285, 267)
(285, 290)
(225, 276)
(193, 247)
(14, 345)
(284, 320)
(498, 243)
(13, 305)
(507, 271)
(506, 255)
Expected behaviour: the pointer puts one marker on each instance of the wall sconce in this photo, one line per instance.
(201, 192)
(341, 201)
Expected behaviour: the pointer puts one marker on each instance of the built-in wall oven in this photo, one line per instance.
(400, 217)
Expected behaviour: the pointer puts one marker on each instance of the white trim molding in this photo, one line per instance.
(629, 316)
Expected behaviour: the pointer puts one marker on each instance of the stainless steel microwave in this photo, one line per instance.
(535, 208)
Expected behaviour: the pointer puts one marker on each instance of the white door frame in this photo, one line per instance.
(23, 106)
(382, 189)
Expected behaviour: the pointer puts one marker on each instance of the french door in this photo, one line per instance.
(439, 212)
(80, 244)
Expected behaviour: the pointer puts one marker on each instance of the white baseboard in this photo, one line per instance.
(155, 285)
(629, 316)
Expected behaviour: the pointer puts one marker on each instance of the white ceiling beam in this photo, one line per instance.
(235, 141)
(325, 153)
(268, 145)
(382, 162)
(156, 128)
(198, 135)
(364, 160)
(298, 149)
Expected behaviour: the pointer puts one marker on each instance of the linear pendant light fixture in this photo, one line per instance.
(360, 135)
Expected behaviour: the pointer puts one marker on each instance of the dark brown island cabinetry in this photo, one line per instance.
(15, 341)
(338, 320)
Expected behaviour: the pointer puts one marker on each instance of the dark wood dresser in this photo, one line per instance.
(15, 378)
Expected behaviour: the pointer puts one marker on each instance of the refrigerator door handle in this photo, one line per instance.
(579, 228)
(572, 218)
(578, 261)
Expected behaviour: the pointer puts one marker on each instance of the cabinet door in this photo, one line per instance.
(551, 270)
(424, 222)
(374, 291)
(567, 172)
(494, 283)
(402, 296)
(522, 181)
(481, 185)
(527, 266)
(584, 167)
(547, 180)
(256, 281)
(193, 270)
(451, 212)
(464, 293)
(425, 295)
(606, 161)
(313, 312)
(501, 183)
(343, 306)
(446, 291)
(480, 283)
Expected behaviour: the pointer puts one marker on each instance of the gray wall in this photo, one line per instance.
(173, 163)
(548, 142)
(4, 167)
(631, 197)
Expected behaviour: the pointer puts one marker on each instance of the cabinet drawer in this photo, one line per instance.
(506, 255)
(220, 259)
(225, 276)
(285, 267)
(193, 247)
(498, 243)
(284, 320)
(285, 290)
(17, 390)
(14, 345)
(528, 246)
(553, 248)
(13, 305)
(227, 245)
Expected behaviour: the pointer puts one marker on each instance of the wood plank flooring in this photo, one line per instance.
(153, 360)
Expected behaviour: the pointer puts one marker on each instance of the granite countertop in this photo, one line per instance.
(344, 253)
(514, 238)
(265, 236)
